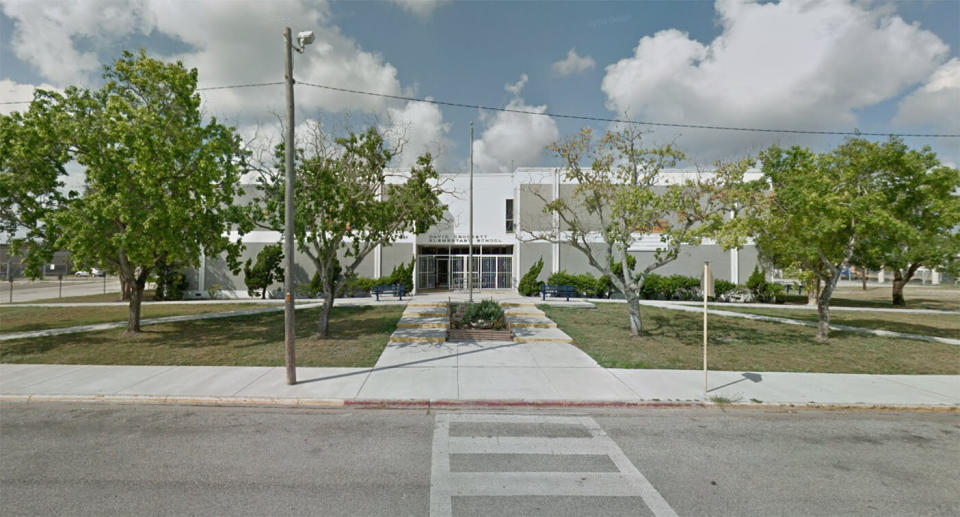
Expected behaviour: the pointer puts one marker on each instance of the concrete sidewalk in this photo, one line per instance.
(469, 373)
(418, 367)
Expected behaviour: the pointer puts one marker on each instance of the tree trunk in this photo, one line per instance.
(900, 280)
(263, 296)
(136, 297)
(823, 307)
(863, 277)
(813, 291)
(126, 289)
(633, 309)
(823, 320)
(898, 284)
(324, 329)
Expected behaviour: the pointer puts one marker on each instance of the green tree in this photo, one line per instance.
(621, 197)
(530, 283)
(922, 197)
(160, 182)
(347, 204)
(267, 270)
(810, 211)
(33, 158)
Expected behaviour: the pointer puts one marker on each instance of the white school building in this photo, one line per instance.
(504, 203)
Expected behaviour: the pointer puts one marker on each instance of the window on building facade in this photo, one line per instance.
(509, 216)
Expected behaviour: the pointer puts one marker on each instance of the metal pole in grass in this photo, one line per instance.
(707, 291)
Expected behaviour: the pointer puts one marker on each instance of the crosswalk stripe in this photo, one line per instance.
(526, 445)
(445, 484)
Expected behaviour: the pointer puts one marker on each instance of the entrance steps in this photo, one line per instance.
(530, 322)
(422, 322)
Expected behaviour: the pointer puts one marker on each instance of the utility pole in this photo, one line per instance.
(289, 304)
(470, 259)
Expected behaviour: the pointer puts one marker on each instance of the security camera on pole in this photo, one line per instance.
(303, 39)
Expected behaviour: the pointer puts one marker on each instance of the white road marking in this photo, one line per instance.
(445, 484)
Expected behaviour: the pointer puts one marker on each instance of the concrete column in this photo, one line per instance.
(555, 266)
(935, 277)
(880, 276)
(202, 274)
(378, 262)
(735, 265)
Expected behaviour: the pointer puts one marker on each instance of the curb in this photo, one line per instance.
(452, 404)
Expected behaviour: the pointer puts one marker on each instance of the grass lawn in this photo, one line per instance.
(19, 319)
(358, 337)
(673, 340)
(93, 298)
(941, 297)
(938, 325)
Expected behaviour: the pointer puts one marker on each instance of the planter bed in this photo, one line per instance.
(479, 335)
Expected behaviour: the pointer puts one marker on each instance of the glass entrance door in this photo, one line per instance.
(443, 273)
(438, 270)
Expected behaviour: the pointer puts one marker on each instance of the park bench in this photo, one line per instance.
(395, 289)
(558, 290)
(799, 288)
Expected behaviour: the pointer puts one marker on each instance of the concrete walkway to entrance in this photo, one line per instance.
(418, 367)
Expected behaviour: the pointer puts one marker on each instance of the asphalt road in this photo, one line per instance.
(102, 459)
(25, 290)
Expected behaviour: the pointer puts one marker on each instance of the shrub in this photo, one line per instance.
(401, 274)
(529, 285)
(673, 287)
(485, 314)
(170, 284)
(267, 269)
(762, 290)
(721, 287)
(358, 286)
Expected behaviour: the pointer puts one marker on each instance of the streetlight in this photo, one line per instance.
(303, 39)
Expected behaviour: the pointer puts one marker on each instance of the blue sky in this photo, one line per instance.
(826, 65)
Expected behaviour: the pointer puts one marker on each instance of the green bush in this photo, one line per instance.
(529, 285)
(762, 290)
(358, 286)
(267, 269)
(672, 287)
(486, 314)
(585, 284)
(402, 274)
(171, 284)
(721, 287)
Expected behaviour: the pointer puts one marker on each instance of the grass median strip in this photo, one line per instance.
(673, 340)
(358, 335)
(21, 319)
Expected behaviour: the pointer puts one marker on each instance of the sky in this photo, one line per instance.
(831, 65)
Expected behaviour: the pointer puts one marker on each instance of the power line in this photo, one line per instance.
(637, 122)
(571, 117)
(207, 88)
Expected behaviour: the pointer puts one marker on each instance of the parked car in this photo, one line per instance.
(90, 272)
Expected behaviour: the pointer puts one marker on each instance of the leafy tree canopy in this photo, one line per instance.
(348, 203)
(160, 182)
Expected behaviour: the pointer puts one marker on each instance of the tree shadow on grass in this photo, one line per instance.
(348, 324)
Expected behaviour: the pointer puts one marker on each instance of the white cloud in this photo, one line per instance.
(796, 64)
(573, 64)
(45, 32)
(420, 127)
(14, 91)
(517, 87)
(230, 43)
(422, 9)
(937, 102)
(513, 140)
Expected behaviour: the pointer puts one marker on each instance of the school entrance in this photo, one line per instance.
(445, 267)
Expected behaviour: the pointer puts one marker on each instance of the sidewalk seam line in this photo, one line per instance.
(254, 380)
